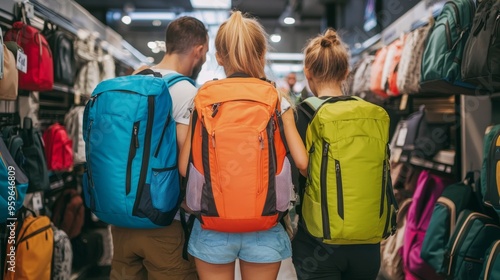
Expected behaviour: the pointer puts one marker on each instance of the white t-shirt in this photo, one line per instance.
(182, 94)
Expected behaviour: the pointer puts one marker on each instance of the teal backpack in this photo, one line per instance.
(490, 172)
(131, 178)
(13, 185)
(491, 267)
(473, 235)
(443, 52)
(453, 200)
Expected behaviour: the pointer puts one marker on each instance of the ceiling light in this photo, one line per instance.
(156, 50)
(152, 15)
(156, 22)
(126, 19)
(151, 59)
(204, 4)
(275, 38)
(289, 20)
(152, 45)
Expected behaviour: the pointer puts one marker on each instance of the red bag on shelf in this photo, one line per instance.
(40, 68)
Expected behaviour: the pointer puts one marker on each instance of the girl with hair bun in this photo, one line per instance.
(241, 47)
(326, 67)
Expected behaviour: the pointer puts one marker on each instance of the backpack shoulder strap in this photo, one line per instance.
(314, 102)
(172, 79)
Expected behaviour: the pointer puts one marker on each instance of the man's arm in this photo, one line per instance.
(182, 132)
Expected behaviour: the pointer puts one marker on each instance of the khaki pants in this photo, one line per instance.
(150, 254)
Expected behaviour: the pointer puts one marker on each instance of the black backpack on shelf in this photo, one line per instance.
(482, 67)
(35, 165)
(61, 45)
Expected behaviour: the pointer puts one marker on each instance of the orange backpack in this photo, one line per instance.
(30, 256)
(377, 72)
(392, 86)
(239, 179)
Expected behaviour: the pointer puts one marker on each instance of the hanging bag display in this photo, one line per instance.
(362, 76)
(39, 74)
(408, 77)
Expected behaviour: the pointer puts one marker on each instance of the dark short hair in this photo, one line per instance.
(184, 33)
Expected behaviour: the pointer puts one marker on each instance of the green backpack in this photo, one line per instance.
(473, 235)
(490, 172)
(491, 267)
(443, 51)
(454, 199)
(348, 195)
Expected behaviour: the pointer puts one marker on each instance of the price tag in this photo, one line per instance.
(22, 62)
(30, 10)
(37, 201)
(400, 142)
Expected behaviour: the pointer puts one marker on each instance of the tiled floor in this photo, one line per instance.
(287, 272)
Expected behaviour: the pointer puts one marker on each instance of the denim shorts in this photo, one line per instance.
(272, 245)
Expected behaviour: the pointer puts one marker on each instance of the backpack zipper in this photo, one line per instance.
(38, 231)
(457, 13)
(215, 109)
(90, 179)
(493, 255)
(134, 145)
(384, 192)
(146, 155)
(446, 202)
(447, 33)
(324, 191)
(495, 32)
(340, 192)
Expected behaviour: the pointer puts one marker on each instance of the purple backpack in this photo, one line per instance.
(429, 188)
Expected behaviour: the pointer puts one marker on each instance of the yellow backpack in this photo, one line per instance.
(348, 195)
(29, 255)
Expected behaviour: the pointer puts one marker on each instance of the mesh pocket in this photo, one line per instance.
(195, 184)
(284, 186)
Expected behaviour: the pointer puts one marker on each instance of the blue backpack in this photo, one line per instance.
(13, 185)
(131, 178)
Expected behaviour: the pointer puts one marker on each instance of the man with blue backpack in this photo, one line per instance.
(133, 128)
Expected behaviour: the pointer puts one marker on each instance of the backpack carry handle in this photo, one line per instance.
(149, 72)
(340, 98)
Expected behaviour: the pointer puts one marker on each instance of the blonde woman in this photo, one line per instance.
(326, 66)
(241, 47)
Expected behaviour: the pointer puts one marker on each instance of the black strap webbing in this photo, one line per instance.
(187, 226)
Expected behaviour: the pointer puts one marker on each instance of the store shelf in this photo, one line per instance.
(444, 161)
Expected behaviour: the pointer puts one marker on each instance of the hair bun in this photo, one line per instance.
(325, 43)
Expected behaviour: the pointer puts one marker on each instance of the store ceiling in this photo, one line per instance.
(140, 32)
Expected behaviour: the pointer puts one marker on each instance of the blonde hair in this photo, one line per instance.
(241, 44)
(326, 58)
